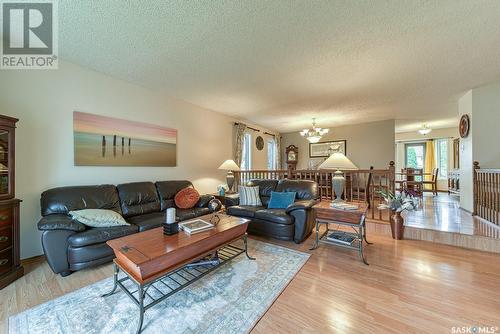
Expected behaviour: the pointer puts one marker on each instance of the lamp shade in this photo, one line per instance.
(338, 161)
(229, 165)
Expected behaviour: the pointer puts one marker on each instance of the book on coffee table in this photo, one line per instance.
(344, 206)
(195, 226)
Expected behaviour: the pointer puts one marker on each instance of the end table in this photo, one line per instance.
(325, 214)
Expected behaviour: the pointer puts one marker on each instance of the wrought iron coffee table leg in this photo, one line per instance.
(245, 240)
(360, 245)
(141, 308)
(115, 284)
(364, 233)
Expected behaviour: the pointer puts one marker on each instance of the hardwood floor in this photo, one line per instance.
(409, 287)
(443, 213)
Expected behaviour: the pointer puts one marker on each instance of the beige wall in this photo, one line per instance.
(368, 144)
(44, 102)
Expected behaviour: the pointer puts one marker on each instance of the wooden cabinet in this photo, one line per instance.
(10, 265)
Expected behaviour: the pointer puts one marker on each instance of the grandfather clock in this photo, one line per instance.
(10, 264)
(292, 153)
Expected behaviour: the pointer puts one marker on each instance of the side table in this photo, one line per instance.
(224, 198)
(325, 214)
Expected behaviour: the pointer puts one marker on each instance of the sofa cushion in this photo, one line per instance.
(265, 186)
(281, 200)
(278, 216)
(186, 198)
(98, 217)
(138, 198)
(249, 196)
(305, 189)
(148, 221)
(243, 211)
(168, 189)
(185, 214)
(65, 199)
(99, 235)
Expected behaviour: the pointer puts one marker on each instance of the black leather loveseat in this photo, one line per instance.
(70, 246)
(293, 223)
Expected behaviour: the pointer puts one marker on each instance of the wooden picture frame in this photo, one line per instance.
(325, 149)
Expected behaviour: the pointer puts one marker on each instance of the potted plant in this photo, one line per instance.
(398, 202)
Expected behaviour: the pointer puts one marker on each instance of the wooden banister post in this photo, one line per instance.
(392, 176)
(475, 187)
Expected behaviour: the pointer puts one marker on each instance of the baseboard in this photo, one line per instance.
(33, 259)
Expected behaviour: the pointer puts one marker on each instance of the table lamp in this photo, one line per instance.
(229, 165)
(339, 162)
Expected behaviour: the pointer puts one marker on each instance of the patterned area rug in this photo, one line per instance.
(231, 299)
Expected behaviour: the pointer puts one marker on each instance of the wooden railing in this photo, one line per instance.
(361, 185)
(487, 193)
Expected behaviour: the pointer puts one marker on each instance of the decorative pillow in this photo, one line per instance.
(186, 198)
(249, 196)
(281, 200)
(98, 217)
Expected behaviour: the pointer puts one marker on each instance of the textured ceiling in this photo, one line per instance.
(279, 63)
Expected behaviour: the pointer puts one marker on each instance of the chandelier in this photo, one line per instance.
(314, 134)
(424, 130)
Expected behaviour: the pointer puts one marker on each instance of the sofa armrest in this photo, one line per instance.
(59, 222)
(203, 201)
(301, 205)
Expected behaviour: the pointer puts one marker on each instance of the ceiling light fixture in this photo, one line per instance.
(315, 133)
(425, 130)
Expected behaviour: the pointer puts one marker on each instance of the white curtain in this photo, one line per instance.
(238, 147)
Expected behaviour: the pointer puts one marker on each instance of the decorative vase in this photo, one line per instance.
(397, 225)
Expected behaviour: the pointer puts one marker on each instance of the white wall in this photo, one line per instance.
(44, 102)
(368, 144)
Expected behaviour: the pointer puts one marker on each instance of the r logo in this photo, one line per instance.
(27, 28)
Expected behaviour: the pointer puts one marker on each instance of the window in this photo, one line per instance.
(246, 155)
(271, 154)
(415, 155)
(442, 157)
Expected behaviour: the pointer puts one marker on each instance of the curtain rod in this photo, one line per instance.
(257, 130)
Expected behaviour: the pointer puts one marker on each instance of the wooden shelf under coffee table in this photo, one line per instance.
(149, 259)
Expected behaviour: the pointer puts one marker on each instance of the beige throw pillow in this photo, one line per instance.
(98, 217)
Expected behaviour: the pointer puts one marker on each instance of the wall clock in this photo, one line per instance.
(464, 126)
(259, 143)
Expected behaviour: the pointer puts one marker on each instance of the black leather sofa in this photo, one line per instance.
(293, 223)
(70, 246)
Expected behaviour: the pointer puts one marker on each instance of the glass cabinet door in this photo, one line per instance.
(5, 173)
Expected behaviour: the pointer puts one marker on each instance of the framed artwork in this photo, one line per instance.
(108, 141)
(315, 162)
(325, 149)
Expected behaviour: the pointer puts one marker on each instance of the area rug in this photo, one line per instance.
(231, 299)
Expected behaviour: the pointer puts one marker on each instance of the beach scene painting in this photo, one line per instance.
(108, 141)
